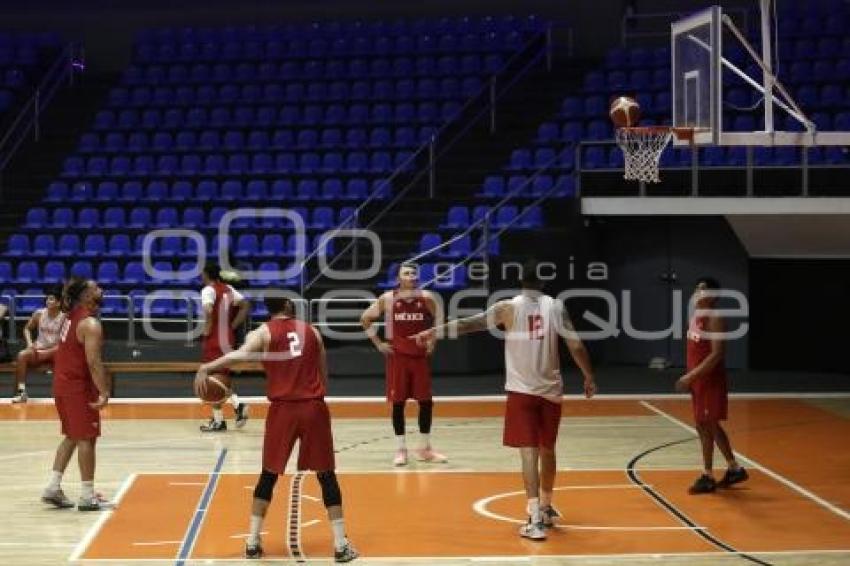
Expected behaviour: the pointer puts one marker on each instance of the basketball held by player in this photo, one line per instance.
(225, 310)
(81, 387)
(39, 353)
(293, 357)
(706, 381)
(407, 310)
(532, 322)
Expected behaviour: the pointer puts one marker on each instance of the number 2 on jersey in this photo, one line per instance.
(294, 344)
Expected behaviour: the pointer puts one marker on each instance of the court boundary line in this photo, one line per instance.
(185, 551)
(293, 519)
(767, 471)
(468, 398)
(81, 547)
(395, 559)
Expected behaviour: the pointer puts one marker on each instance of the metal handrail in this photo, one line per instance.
(485, 221)
(61, 68)
(487, 88)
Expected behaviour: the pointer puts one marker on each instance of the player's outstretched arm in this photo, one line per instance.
(255, 342)
(500, 314)
(243, 307)
(367, 320)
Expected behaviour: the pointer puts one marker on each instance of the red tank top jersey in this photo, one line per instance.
(406, 317)
(298, 376)
(699, 347)
(70, 369)
(222, 313)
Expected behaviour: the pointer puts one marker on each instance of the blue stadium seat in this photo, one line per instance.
(54, 272)
(107, 191)
(62, 218)
(107, 273)
(457, 218)
(94, 245)
(82, 268)
(247, 245)
(272, 245)
(459, 248)
(532, 218)
(27, 273)
(68, 245)
(429, 241)
(19, 245)
(505, 216)
(134, 274)
(140, 217)
(36, 218)
(323, 218)
(88, 218)
(281, 191)
(119, 245)
(56, 192)
(494, 187)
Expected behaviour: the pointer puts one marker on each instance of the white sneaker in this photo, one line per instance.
(533, 531)
(400, 457)
(56, 497)
(21, 397)
(95, 503)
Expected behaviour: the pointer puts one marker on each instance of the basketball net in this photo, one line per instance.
(642, 148)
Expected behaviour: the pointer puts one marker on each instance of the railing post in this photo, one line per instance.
(131, 322)
(493, 104)
(355, 253)
(486, 253)
(37, 110)
(189, 342)
(302, 276)
(432, 181)
(805, 163)
(578, 170)
(13, 336)
(749, 153)
(694, 171)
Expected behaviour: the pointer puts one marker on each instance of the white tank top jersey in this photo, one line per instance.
(48, 330)
(532, 364)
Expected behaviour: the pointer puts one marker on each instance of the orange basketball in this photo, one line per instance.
(218, 388)
(624, 112)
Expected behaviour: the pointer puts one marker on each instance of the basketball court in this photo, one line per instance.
(624, 468)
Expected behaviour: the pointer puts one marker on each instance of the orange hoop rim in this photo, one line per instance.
(681, 133)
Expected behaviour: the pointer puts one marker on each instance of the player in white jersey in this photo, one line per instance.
(532, 322)
(38, 353)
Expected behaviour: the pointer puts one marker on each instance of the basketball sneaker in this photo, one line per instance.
(56, 497)
(347, 553)
(703, 484)
(533, 531)
(430, 455)
(214, 426)
(732, 477)
(400, 457)
(549, 516)
(241, 411)
(97, 502)
(253, 551)
(21, 397)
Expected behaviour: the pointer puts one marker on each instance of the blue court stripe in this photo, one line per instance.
(192, 533)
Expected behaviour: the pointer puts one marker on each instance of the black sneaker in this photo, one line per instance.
(549, 516)
(704, 484)
(241, 411)
(253, 551)
(346, 554)
(214, 426)
(732, 477)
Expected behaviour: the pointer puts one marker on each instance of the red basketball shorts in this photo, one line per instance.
(710, 399)
(78, 420)
(308, 422)
(530, 420)
(408, 377)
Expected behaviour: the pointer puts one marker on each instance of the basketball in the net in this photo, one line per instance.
(624, 112)
(218, 388)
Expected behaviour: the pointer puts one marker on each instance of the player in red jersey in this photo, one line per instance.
(225, 309)
(293, 357)
(80, 390)
(706, 381)
(407, 310)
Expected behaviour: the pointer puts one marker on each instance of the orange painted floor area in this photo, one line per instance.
(804, 443)
(457, 514)
(339, 409)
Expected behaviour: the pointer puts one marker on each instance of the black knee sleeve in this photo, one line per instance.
(331, 495)
(398, 418)
(265, 486)
(426, 412)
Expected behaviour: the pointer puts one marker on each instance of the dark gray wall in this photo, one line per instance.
(639, 251)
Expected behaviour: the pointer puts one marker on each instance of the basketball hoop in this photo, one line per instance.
(642, 147)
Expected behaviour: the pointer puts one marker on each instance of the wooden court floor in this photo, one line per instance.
(624, 467)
